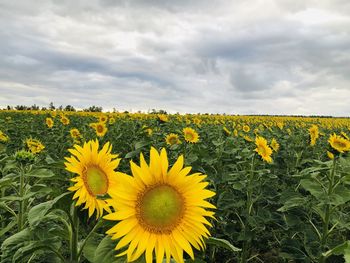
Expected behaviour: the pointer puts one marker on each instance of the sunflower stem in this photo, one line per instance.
(74, 234)
(249, 207)
(328, 212)
(21, 202)
(97, 225)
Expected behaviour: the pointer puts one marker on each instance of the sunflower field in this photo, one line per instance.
(121, 187)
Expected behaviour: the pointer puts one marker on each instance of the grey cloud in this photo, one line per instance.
(187, 56)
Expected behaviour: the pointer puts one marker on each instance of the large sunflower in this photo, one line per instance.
(339, 143)
(96, 175)
(160, 210)
(263, 149)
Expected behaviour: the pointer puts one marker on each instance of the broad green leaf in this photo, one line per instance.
(223, 243)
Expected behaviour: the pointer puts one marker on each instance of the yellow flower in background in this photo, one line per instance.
(161, 211)
(49, 122)
(280, 125)
(74, 133)
(3, 137)
(149, 131)
(275, 145)
(96, 175)
(263, 149)
(100, 128)
(330, 155)
(163, 118)
(235, 133)
(103, 118)
(190, 135)
(111, 120)
(34, 145)
(314, 134)
(64, 120)
(345, 135)
(226, 131)
(247, 138)
(246, 128)
(172, 139)
(339, 143)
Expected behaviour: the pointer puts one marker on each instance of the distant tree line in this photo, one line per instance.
(52, 107)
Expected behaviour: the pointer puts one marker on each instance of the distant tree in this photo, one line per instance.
(51, 106)
(43, 108)
(154, 111)
(94, 109)
(34, 107)
(60, 107)
(9, 107)
(22, 107)
(69, 108)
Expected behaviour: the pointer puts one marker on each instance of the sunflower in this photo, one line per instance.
(330, 155)
(246, 128)
(64, 120)
(190, 135)
(74, 133)
(3, 137)
(172, 139)
(247, 138)
(103, 118)
(34, 145)
(100, 129)
(263, 149)
(226, 131)
(163, 118)
(49, 122)
(314, 134)
(339, 143)
(160, 210)
(96, 175)
(275, 145)
(111, 120)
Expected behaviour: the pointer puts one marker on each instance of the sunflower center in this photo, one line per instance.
(160, 209)
(339, 144)
(99, 128)
(189, 136)
(96, 181)
(173, 140)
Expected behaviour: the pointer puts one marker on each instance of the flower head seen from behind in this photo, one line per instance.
(190, 135)
(34, 145)
(263, 149)
(275, 145)
(339, 143)
(172, 139)
(161, 211)
(95, 175)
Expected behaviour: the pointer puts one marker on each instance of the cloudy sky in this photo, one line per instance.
(240, 57)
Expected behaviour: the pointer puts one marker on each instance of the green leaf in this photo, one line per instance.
(105, 252)
(37, 213)
(7, 228)
(223, 243)
(40, 173)
(313, 187)
(291, 203)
